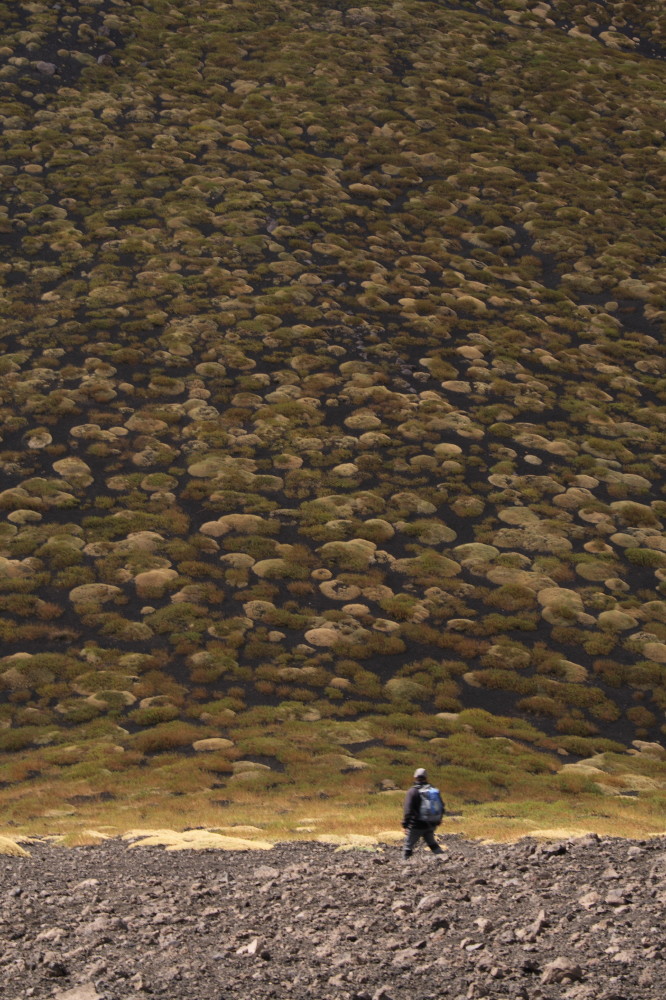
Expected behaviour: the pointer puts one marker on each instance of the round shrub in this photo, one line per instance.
(168, 736)
(153, 715)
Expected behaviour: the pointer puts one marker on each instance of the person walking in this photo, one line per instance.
(422, 815)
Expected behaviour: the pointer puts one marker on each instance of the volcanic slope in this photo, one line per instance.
(332, 400)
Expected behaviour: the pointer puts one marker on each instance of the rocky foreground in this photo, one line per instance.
(578, 919)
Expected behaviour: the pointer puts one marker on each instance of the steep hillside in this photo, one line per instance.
(331, 407)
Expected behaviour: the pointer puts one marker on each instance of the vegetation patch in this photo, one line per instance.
(332, 375)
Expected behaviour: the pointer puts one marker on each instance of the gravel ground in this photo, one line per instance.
(581, 919)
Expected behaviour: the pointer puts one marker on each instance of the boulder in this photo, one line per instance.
(560, 970)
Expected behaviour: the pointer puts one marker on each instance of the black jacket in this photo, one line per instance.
(412, 809)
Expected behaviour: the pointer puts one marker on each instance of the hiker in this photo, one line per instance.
(423, 814)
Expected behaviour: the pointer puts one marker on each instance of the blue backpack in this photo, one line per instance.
(431, 809)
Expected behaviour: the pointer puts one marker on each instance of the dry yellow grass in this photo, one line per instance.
(12, 848)
(82, 838)
(350, 839)
(390, 836)
(360, 824)
(236, 831)
(557, 833)
(72, 812)
(193, 840)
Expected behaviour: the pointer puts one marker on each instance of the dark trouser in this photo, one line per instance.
(414, 834)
